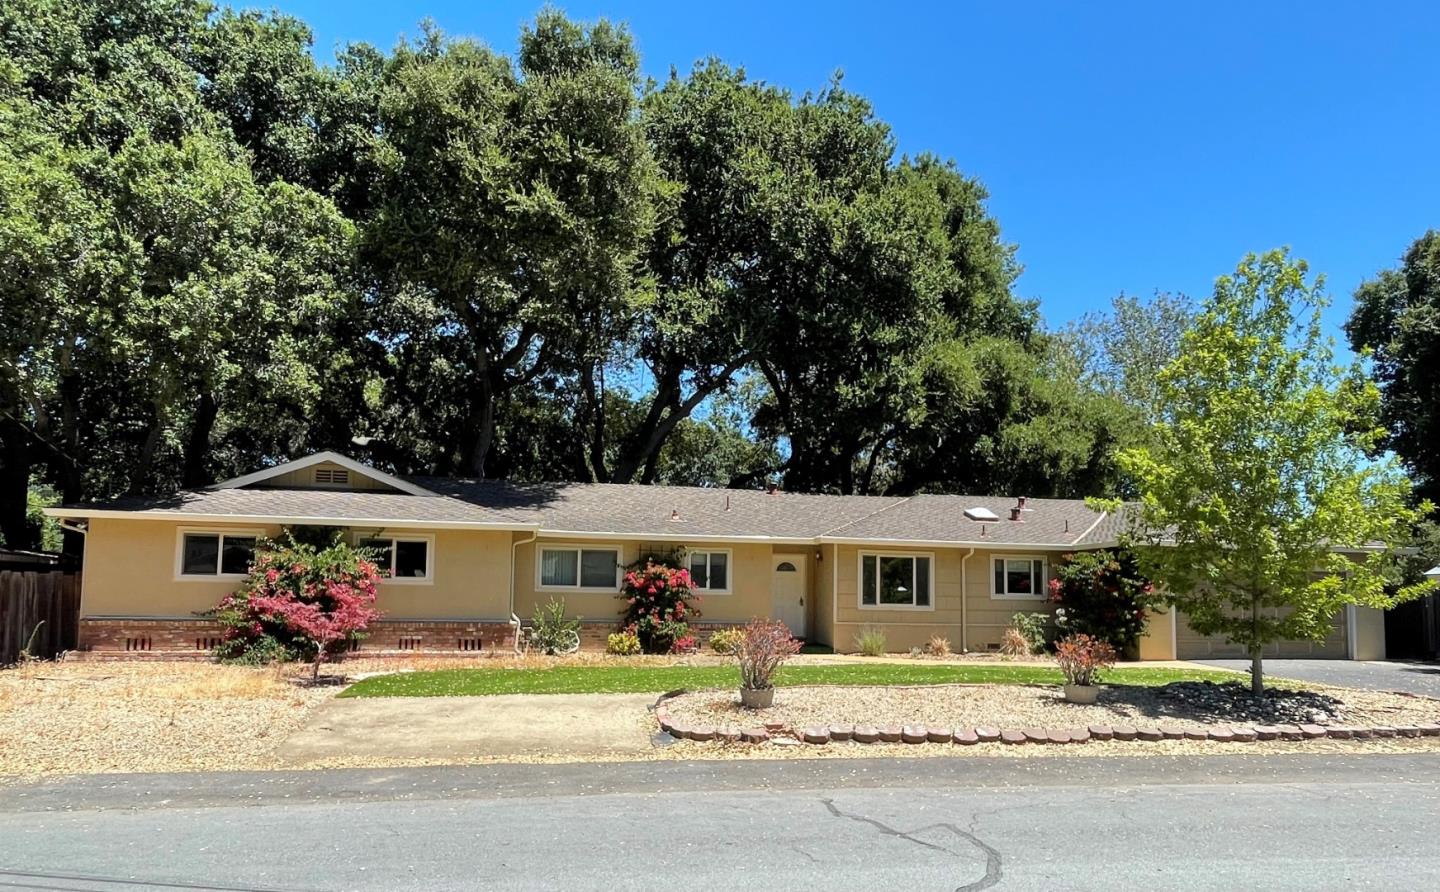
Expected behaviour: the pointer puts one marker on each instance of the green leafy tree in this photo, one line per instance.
(1258, 473)
(1397, 321)
(511, 202)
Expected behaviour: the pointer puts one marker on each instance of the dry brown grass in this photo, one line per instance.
(84, 717)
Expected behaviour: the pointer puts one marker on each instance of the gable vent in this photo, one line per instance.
(981, 514)
(332, 476)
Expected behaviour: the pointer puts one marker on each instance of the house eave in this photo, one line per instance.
(547, 533)
(296, 520)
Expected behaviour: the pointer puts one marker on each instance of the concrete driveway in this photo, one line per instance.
(375, 730)
(1413, 678)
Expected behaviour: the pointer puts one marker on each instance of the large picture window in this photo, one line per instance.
(205, 554)
(895, 581)
(709, 571)
(405, 559)
(1019, 577)
(580, 568)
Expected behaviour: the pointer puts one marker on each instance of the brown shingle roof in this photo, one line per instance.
(941, 519)
(662, 512)
(667, 511)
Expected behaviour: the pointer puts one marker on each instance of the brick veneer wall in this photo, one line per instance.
(148, 638)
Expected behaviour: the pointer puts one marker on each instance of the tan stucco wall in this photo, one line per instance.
(985, 616)
(130, 571)
(822, 629)
(472, 579)
(750, 571)
(1369, 634)
(1158, 640)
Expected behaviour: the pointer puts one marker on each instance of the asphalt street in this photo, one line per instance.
(1281, 822)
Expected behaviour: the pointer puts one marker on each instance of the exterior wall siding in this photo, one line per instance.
(1191, 645)
(984, 616)
(750, 571)
(130, 572)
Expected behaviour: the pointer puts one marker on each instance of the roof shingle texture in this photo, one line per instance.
(669, 511)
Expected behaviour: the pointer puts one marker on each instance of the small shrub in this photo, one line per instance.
(1103, 595)
(763, 646)
(624, 644)
(724, 641)
(870, 641)
(938, 646)
(658, 603)
(1013, 643)
(550, 632)
(1035, 628)
(1082, 658)
(684, 644)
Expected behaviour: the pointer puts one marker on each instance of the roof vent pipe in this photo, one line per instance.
(1015, 514)
(1020, 503)
(727, 501)
(674, 514)
(772, 488)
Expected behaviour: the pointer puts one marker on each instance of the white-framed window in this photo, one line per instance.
(709, 570)
(1018, 576)
(202, 555)
(896, 581)
(579, 568)
(406, 560)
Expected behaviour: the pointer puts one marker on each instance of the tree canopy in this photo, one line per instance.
(216, 253)
(1396, 321)
(1257, 498)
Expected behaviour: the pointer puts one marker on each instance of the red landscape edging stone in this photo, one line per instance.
(917, 734)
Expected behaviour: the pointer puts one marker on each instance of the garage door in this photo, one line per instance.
(1192, 646)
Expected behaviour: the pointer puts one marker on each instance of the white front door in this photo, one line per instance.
(787, 592)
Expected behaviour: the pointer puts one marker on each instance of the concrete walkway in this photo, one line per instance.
(447, 727)
(1375, 675)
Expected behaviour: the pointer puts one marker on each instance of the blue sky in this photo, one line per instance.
(1126, 146)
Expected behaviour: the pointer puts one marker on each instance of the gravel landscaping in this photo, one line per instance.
(1181, 704)
(98, 717)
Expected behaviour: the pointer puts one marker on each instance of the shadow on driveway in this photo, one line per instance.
(1393, 675)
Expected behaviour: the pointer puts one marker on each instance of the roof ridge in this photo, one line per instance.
(1091, 528)
(874, 513)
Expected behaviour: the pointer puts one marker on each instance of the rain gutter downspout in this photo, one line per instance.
(514, 550)
(964, 603)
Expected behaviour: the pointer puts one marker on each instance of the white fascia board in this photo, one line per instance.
(675, 537)
(384, 522)
(300, 464)
(989, 544)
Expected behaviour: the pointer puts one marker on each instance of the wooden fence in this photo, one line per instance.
(47, 600)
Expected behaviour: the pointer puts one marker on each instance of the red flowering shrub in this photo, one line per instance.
(658, 604)
(299, 602)
(1103, 595)
(1082, 658)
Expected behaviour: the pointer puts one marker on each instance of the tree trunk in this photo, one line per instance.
(145, 461)
(1257, 677)
(197, 447)
(482, 426)
(15, 462)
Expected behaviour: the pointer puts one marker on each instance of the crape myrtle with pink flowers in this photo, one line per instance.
(300, 601)
(657, 604)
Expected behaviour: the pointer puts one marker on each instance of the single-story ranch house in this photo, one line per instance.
(466, 555)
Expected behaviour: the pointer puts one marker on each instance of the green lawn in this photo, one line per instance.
(638, 679)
